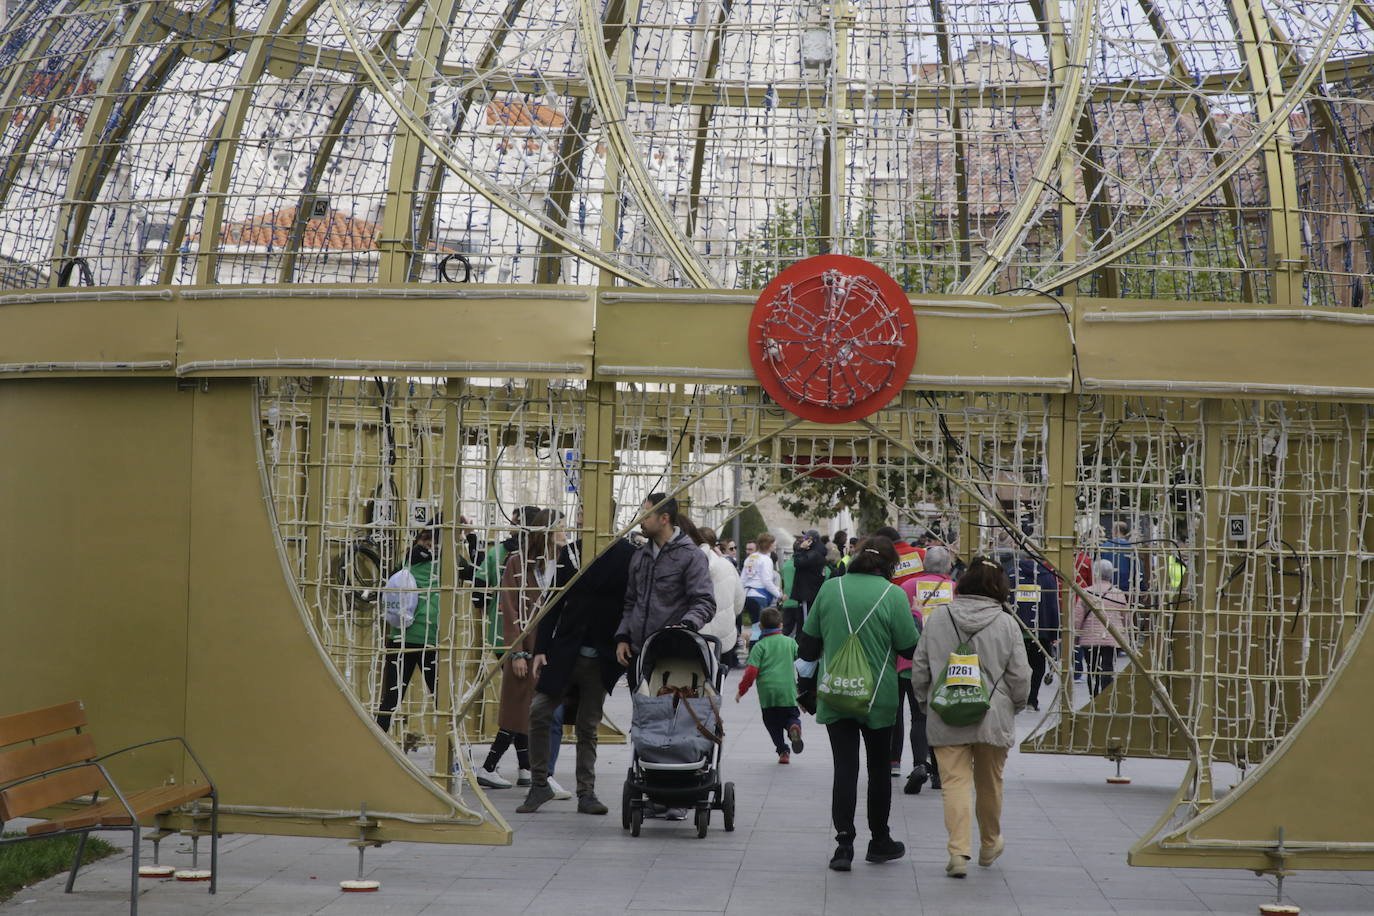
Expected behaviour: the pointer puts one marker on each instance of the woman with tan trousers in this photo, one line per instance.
(972, 757)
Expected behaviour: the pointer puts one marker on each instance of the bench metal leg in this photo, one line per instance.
(214, 840)
(76, 862)
(133, 888)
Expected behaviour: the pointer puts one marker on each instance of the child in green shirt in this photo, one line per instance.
(771, 662)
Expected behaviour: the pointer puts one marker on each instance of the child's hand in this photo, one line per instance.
(737, 696)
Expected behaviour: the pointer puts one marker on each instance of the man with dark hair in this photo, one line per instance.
(669, 584)
(669, 580)
(574, 662)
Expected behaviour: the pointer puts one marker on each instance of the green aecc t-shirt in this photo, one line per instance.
(889, 629)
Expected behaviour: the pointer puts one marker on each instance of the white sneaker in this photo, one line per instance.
(559, 793)
(491, 779)
(523, 777)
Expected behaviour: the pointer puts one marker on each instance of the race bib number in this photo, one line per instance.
(1027, 594)
(909, 565)
(963, 671)
(933, 594)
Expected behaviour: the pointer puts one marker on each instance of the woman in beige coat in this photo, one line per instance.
(526, 582)
(972, 757)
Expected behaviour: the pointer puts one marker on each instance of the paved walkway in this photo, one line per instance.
(1067, 835)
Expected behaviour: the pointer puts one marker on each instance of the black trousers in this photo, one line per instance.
(920, 747)
(844, 748)
(753, 608)
(776, 719)
(792, 619)
(1100, 662)
(397, 670)
(1037, 667)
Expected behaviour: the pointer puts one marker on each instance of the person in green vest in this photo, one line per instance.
(771, 662)
(487, 579)
(861, 607)
(415, 646)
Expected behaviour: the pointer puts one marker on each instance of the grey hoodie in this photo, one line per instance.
(995, 636)
(670, 588)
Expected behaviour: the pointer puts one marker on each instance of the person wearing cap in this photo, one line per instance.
(808, 565)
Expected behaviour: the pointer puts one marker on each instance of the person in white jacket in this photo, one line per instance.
(729, 592)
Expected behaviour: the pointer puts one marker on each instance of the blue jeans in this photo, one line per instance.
(555, 737)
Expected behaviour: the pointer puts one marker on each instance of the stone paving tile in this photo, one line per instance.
(1067, 836)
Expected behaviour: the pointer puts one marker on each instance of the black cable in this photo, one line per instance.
(467, 269)
(1073, 342)
(64, 274)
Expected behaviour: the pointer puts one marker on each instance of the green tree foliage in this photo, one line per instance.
(911, 250)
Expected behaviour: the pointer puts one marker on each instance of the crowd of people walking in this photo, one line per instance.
(888, 643)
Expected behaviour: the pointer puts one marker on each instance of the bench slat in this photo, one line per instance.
(111, 813)
(29, 761)
(39, 794)
(39, 723)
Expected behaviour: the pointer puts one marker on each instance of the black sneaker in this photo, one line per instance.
(935, 781)
(794, 735)
(916, 780)
(885, 850)
(590, 804)
(537, 796)
(843, 858)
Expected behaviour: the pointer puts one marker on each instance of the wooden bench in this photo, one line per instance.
(39, 770)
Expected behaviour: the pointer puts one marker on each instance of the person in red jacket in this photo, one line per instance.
(910, 559)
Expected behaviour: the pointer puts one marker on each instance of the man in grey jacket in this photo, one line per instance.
(972, 757)
(669, 585)
(669, 581)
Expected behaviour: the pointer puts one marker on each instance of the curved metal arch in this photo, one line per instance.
(1148, 228)
(399, 252)
(231, 126)
(204, 162)
(1067, 109)
(473, 177)
(16, 158)
(429, 206)
(608, 97)
(1322, 110)
(1229, 193)
(96, 153)
(325, 151)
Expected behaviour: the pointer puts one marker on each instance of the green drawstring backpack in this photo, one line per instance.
(959, 696)
(848, 686)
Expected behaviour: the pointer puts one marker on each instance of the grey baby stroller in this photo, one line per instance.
(676, 733)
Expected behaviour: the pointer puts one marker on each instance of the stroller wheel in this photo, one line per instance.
(627, 800)
(727, 806)
(703, 821)
(636, 817)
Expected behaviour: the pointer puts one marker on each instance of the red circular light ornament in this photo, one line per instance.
(833, 339)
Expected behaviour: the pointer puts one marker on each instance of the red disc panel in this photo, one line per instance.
(833, 338)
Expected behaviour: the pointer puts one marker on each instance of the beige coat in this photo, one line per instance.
(520, 599)
(995, 635)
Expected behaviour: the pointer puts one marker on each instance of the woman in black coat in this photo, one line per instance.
(808, 564)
